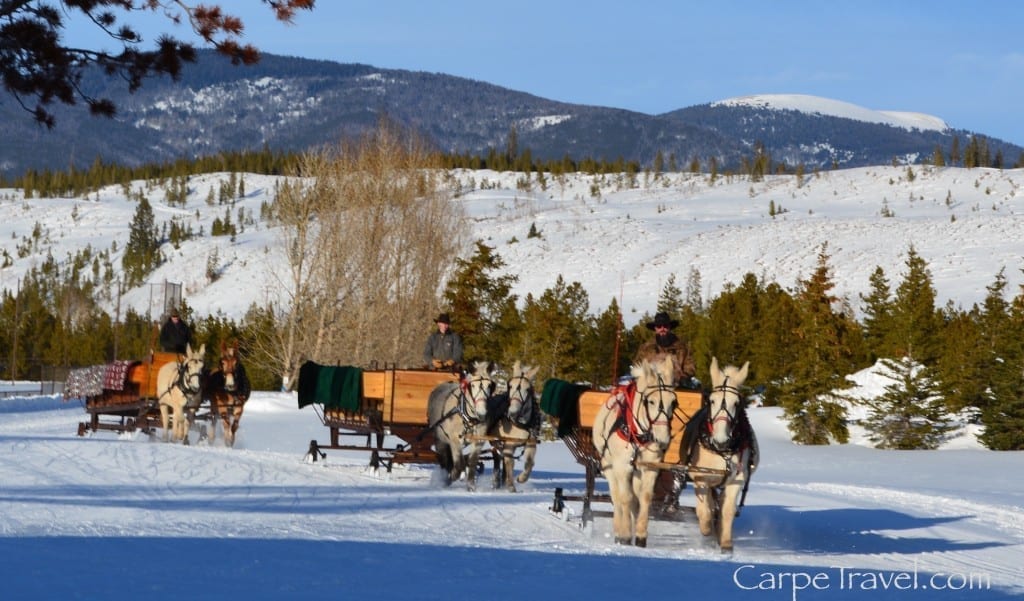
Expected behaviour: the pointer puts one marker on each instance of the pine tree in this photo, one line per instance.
(733, 319)
(911, 414)
(671, 298)
(808, 396)
(878, 316)
(774, 347)
(1003, 412)
(600, 345)
(692, 297)
(553, 327)
(659, 164)
(964, 366)
(479, 300)
(916, 321)
(142, 253)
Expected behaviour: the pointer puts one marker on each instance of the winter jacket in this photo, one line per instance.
(443, 347)
(174, 337)
(670, 345)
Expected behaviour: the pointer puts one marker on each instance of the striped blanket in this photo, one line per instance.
(91, 381)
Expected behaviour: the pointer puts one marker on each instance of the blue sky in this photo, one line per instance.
(960, 61)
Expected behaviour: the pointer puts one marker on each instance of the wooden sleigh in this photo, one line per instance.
(361, 407)
(124, 401)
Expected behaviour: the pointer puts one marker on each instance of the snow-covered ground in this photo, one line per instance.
(123, 517)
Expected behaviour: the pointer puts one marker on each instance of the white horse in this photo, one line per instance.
(725, 456)
(457, 411)
(517, 426)
(180, 384)
(632, 429)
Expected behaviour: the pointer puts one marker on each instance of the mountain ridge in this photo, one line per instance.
(291, 104)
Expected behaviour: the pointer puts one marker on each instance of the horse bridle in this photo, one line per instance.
(524, 416)
(184, 376)
(231, 372)
(466, 396)
(722, 414)
(645, 436)
(182, 381)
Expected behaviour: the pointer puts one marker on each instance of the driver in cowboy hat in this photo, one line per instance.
(665, 342)
(444, 347)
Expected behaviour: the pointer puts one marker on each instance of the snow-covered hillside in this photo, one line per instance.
(617, 239)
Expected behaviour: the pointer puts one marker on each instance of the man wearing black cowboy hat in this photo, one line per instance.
(667, 343)
(444, 347)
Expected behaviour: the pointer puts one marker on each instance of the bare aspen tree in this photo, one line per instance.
(370, 233)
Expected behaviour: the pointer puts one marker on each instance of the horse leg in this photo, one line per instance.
(165, 419)
(618, 486)
(187, 419)
(236, 417)
(220, 416)
(728, 503)
(180, 422)
(474, 457)
(633, 506)
(508, 456)
(644, 493)
(444, 459)
(704, 513)
(528, 458)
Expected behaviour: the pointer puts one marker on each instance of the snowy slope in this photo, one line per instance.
(616, 240)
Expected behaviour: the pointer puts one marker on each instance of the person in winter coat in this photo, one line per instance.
(175, 335)
(444, 347)
(667, 343)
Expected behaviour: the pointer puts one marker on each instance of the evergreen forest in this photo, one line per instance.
(946, 362)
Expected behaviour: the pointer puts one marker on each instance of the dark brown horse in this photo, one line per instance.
(228, 389)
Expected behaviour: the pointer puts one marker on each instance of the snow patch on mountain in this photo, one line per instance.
(817, 105)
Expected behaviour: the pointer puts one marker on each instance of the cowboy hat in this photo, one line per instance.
(662, 319)
(443, 318)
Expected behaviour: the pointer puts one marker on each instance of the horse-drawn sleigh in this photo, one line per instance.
(166, 390)
(648, 439)
(436, 415)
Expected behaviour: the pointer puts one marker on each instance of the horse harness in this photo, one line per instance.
(182, 380)
(626, 424)
(461, 407)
